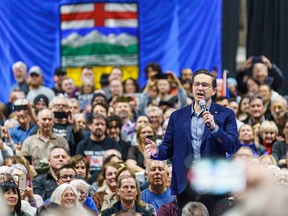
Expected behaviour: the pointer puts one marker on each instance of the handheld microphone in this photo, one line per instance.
(202, 104)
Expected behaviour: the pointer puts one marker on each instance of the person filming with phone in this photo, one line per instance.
(201, 130)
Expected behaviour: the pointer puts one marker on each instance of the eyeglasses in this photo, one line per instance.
(68, 176)
(204, 85)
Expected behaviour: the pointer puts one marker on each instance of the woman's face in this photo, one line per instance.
(246, 133)
(268, 136)
(244, 106)
(87, 88)
(110, 176)
(68, 199)
(82, 193)
(11, 197)
(129, 86)
(144, 132)
(81, 169)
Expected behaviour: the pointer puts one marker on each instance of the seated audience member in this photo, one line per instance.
(36, 86)
(246, 138)
(195, 208)
(244, 153)
(49, 208)
(81, 165)
(106, 182)
(66, 174)
(256, 110)
(17, 170)
(268, 132)
(67, 196)
(69, 88)
(157, 192)
(130, 86)
(124, 111)
(100, 108)
(97, 144)
(243, 108)
(127, 192)
(114, 124)
(279, 148)
(266, 160)
(279, 113)
(85, 95)
(12, 198)
(265, 92)
(9, 161)
(263, 71)
(83, 190)
(137, 155)
(45, 184)
(39, 145)
(281, 177)
(155, 116)
(168, 209)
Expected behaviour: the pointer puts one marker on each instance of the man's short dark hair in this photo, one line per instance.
(58, 147)
(97, 116)
(255, 97)
(206, 72)
(155, 66)
(66, 166)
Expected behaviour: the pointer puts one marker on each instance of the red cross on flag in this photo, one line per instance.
(99, 15)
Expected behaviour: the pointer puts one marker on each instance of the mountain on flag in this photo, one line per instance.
(99, 34)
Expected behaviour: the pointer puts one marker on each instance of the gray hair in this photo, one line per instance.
(76, 182)
(19, 64)
(194, 208)
(17, 167)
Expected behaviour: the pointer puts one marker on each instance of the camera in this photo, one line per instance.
(257, 59)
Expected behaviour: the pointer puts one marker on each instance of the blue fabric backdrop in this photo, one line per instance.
(175, 33)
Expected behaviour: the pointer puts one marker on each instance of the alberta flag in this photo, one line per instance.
(99, 34)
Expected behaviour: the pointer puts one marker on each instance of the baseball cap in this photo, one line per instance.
(35, 70)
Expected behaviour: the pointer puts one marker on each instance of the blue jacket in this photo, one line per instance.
(177, 142)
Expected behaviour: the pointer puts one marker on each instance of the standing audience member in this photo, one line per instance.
(20, 75)
(36, 86)
(59, 76)
(44, 184)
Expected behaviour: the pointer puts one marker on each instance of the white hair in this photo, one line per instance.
(77, 182)
(59, 191)
(19, 64)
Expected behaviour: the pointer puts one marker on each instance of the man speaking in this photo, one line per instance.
(204, 130)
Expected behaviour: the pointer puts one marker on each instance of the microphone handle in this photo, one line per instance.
(208, 125)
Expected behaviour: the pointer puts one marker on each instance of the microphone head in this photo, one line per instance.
(202, 103)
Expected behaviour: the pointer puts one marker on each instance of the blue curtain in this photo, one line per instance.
(175, 33)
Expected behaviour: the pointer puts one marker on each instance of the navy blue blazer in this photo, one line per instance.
(177, 142)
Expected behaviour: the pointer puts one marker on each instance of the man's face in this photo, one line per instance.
(128, 190)
(186, 75)
(123, 110)
(202, 87)
(40, 105)
(46, 121)
(259, 72)
(116, 88)
(22, 116)
(87, 74)
(35, 79)
(265, 92)
(157, 174)
(68, 86)
(278, 110)
(66, 176)
(113, 130)
(98, 109)
(58, 158)
(116, 73)
(60, 105)
(156, 119)
(224, 102)
(59, 78)
(234, 106)
(20, 75)
(246, 134)
(98, 127)
(256, 108)
(74, 107)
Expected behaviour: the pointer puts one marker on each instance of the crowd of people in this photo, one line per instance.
(120, 150)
